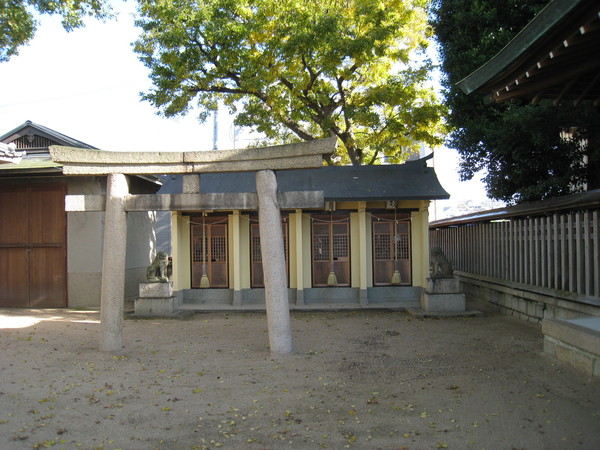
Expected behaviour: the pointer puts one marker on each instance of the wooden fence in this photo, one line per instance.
(554, 245)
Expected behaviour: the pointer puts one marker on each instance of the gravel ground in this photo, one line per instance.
(363, 380)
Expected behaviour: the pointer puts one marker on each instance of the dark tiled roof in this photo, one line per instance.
(29, 127)
(37, 160)
(413, 180)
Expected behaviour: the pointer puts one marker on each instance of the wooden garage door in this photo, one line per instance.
(33, 254)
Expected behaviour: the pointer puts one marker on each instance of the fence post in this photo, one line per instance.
(596, 257)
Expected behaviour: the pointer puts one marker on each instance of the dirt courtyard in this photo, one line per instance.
(364, 380)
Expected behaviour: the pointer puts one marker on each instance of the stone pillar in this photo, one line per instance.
(273, 257)
(113, 264)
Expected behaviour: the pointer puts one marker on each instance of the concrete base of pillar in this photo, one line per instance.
(237, 298)
(443, 302)
(363, 297)
(154, 306)
(155, 299)
(443, 296)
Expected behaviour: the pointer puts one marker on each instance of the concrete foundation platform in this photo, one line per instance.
(443, 303)
(156, 299)
(575, 342)
(421, 314)
(442, 297)
(154, 306)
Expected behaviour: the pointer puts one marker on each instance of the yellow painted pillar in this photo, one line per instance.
(420, 244)
(363, 256)
(299, 258)
(307, 251)
(180, 244)
(236, 258)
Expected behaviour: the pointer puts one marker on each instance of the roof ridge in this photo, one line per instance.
(55, 134)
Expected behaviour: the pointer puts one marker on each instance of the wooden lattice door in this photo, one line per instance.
(33, 253)
(256, 266)
(391, 250)
(209, 253)
(331, 250)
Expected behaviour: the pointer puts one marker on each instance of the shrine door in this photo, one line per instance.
(209, 252)
(256, 262)
(331, 249)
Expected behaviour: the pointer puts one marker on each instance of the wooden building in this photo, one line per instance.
(368, 245)
(50, 257)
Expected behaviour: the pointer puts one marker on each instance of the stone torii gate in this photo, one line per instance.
(118, 202)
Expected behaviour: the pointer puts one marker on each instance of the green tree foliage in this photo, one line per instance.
(18, 25)
(522, 147)
(298, 69)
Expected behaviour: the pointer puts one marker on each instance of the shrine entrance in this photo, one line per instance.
(209, 251)
(118, 202)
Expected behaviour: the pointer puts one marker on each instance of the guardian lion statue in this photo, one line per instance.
(160, 270)
(439, 265)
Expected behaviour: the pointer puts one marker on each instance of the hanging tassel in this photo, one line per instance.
(332, 279)
(204, 282)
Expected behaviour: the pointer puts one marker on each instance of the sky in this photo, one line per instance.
(87, 84)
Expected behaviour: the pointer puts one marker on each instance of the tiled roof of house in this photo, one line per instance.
(30, 128)
(33, 140)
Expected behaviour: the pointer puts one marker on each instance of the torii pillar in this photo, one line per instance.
(116, 165)
(113, 263)
(273, 258)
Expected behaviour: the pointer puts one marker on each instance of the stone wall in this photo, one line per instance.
(575, 342)
(527, 302)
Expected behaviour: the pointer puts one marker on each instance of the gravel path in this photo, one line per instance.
(363, 380)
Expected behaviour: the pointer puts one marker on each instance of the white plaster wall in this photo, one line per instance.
(85, 232)
(84, 247)
(141, 249)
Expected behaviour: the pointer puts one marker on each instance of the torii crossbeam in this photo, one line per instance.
(263, 161)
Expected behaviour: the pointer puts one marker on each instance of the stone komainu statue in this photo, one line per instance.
(161, 269)
(439, 265)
